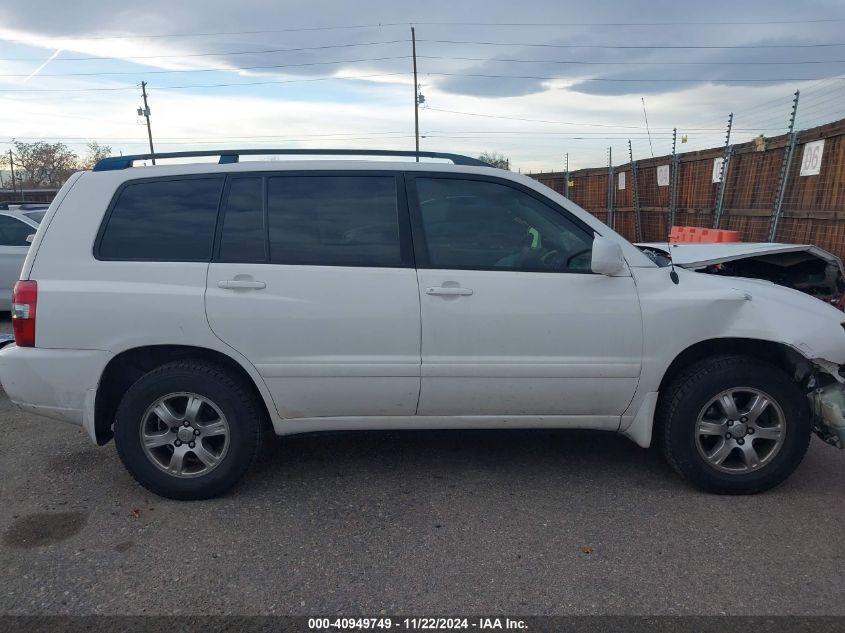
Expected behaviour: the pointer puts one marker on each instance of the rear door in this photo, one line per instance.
(514, 323)
(313, 281)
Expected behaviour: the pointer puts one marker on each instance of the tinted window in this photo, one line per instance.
(333, 220)
(242, 238)
(14, 232)
(163, 220)
(478, 224)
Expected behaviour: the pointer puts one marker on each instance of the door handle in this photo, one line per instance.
(448, 291)
(238, 284)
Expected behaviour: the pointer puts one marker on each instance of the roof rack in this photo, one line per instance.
(228, 156)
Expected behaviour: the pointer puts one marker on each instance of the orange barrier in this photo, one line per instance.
(696, 234)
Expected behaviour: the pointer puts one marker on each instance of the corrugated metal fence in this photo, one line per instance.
(813, 202)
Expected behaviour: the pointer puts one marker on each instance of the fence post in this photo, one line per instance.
(610, 214)
(792, 137)
(726, 159)
(673, 183)
(636, 195)
(566, 177)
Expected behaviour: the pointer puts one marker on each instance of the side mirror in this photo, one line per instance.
(29, 238)
(607, 257)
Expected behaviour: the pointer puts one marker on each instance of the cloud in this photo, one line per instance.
(469, 77)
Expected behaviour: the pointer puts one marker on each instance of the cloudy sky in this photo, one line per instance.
(533, 80)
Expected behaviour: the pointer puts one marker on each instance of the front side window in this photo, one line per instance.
(163, 220)
(475, 224)
(333, 220)
(14, 232)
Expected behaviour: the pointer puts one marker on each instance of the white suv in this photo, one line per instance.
(183, 309)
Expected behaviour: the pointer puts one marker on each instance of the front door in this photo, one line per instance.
(313, 282)
(514, 323)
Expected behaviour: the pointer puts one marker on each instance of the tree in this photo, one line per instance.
(497, 160)
(95, 152)
(42, 164)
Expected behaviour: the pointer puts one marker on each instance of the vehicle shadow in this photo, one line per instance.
(576, 458)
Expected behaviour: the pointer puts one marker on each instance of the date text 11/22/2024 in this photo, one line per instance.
(420, 623)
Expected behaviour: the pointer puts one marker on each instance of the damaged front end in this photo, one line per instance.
(827, 402)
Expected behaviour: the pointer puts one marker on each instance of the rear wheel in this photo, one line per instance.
(734, 425)
(187, 430)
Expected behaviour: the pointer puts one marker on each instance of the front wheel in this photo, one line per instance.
(734, 425)
(187, 430)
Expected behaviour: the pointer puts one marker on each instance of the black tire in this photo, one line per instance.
(226, 391)
(689, 393)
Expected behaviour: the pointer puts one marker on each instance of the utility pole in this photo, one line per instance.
(416, 94)
(12, 167)
(146, 112)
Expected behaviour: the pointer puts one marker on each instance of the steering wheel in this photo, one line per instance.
(576, 254)
(546, 258)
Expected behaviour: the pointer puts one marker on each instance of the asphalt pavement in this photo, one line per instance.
(433, 523)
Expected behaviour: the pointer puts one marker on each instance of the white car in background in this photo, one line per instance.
(18, 224)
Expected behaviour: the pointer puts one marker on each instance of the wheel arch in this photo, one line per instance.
(128, 366)
(781, 355)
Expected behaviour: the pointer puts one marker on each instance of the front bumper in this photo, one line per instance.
(55, 383)
(828, 406)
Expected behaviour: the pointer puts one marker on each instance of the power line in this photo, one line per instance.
(630, 63)
(401, 57)
(510, 118)
(405, 41)
(211, 70)
(221, 85)
(634, 46)
(676, 23)
(633, 80)
(304, 138)
(182, 55)
(477, 75)
(348, 27)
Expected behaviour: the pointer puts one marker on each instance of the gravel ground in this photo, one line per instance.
(415, 523)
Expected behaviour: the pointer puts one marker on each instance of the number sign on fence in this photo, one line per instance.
(811, 161)
(663, 175)
(717, 169)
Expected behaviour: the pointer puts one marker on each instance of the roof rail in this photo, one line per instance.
(233, 156)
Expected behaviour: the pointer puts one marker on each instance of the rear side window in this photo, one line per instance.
(333, 220)
(163, 220)
(14, 232)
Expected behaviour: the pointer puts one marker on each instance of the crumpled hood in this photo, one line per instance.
(701, 255)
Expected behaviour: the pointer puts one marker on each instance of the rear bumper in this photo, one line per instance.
(55, 383)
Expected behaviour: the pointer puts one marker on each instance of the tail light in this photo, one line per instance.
(24, 298)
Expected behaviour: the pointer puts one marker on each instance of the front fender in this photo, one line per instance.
(703, 308)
